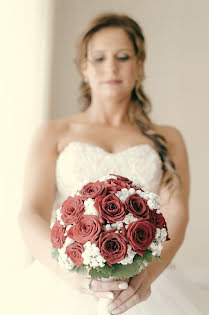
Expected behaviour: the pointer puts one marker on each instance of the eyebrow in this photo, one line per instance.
(100, 50)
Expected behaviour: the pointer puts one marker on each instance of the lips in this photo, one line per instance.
(113, 81)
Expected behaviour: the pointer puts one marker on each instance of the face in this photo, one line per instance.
(111, 66)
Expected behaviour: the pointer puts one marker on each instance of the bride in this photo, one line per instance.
(112, 134)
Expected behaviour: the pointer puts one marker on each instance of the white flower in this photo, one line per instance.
(89, 207)
(122, 198)
(129, 218)
(119, 194)
(156, 248)
(108, 227)
(86, 260)
(153, 200)
(118, 225)
(68, 242)
(58, 213)
(129, 256)
(63, 260)
(61, 251)
(163, 235)
(68, 227)
(132, 191)
(125, 192)
(158, 234)
(91, 255)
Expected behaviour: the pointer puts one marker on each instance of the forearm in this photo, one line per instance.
(36, 234)
(169, 250)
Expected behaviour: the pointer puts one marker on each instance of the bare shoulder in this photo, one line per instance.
(52, 131)
(173, 136)
(175, 142)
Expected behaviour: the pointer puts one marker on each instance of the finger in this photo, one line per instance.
(99, 285)
(121, 298)
(125, 302)
(134, 284)
(126, 306)
(135, 299)
(106, 295)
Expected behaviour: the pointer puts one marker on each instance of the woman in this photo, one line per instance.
(113, 134)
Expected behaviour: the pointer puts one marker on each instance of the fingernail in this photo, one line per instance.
(110, 295)
(123, 285)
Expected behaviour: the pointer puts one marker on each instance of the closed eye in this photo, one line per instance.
(99, 59)
(119, 58)
(124, 58)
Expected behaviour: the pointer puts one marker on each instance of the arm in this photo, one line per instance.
(39, 194)
(175, 210)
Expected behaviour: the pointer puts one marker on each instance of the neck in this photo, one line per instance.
(113, 113)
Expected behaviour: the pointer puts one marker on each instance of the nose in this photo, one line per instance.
(112, 64)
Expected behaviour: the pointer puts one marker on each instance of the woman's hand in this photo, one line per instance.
(138, 290)
(98, 288)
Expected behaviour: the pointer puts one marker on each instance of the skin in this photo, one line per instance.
(105, 124)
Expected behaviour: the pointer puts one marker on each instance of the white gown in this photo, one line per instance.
(38, 291)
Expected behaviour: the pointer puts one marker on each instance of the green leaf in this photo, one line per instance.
(101, 272)
(81, 270)
(54, 253)
(96, 274)
(107, 270)
(127, 271)
(148, 256)
(158, 258)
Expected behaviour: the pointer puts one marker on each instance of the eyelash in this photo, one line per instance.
(120, 58)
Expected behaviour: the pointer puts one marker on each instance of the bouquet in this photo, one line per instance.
(108, 228)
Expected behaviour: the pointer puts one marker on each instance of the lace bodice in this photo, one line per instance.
(81, 161)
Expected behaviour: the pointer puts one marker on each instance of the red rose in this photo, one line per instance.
(57, 235)
(124, 179)
(72, 209)
(167, 237)
(87, 229)
(113, 246)
(137, 206)
(140, 235)
(114, 185)
(74, 252)
(110, 208)
(137, 188)
(157, 218)
(159, 221)
(92, 190)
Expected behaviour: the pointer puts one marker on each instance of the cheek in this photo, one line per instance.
(131, 71)
(96, 71)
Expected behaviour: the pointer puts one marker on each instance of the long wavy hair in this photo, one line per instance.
(141, 105)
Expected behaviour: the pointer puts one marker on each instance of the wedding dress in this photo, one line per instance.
(39, 291)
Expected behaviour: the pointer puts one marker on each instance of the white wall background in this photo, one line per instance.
(25, 43)
(177, 69)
